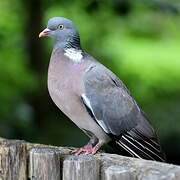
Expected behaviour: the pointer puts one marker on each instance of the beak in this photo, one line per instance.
(45, 32)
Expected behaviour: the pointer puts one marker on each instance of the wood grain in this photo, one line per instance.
(13, 163)
(119, 173)
(81, 167)
(44, 164)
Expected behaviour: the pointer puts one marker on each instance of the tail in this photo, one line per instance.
(142, 147)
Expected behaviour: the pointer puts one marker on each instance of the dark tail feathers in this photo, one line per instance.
(141, 148)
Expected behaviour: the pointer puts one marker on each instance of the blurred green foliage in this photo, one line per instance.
(139, 41)
(16, 78)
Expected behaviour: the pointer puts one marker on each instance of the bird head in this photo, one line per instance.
(63, 31)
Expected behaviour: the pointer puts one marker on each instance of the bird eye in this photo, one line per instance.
(61, 26)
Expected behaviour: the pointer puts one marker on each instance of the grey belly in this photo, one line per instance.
(70, 104)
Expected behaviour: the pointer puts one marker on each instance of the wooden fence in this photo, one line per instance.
(20, 160)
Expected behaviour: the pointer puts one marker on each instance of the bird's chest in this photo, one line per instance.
(65, 83)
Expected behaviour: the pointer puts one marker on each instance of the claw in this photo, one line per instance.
(87, 149)
(84, 150)
(77, 151)
(95, 150)
(80, 151)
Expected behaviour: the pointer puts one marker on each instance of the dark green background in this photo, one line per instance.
(138, 40)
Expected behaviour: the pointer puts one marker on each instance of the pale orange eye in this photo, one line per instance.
(61, 26)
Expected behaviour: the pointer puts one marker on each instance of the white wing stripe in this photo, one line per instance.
(88, 104)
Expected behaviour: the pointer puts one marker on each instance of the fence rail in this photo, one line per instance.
(20, 160)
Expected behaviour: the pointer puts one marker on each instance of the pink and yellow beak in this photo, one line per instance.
(45, 32)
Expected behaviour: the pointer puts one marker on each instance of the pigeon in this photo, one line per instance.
(95, 99)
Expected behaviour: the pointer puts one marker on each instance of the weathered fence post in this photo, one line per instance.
(55, 163)
(81, 167)
(44, 164)
(119, 173)
(13, 164)
(156, 175)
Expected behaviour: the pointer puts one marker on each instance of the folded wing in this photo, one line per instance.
(116, 112)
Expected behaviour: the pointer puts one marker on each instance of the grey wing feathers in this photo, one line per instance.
(113, 108)
(109, 101)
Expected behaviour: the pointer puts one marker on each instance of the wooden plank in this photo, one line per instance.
(44, 164)
(13, 163)
(81, 167)
(156, 175)
(119, 173)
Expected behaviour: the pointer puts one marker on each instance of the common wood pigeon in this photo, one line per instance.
(94, 98)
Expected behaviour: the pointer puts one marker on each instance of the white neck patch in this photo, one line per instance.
(74, 54)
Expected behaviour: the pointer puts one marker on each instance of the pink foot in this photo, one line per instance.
(95, 150)
(87, 149)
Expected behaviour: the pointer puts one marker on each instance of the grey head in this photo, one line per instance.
(63, 31)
